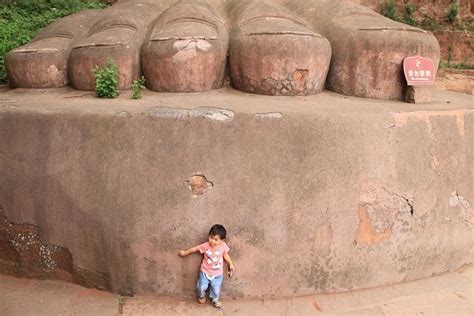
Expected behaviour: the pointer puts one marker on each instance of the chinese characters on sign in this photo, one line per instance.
(419, 71)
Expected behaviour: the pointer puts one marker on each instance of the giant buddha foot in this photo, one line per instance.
(272, 47)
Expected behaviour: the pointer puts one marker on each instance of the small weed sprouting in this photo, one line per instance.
(461, 65)
(106, 80)
(389, 9)
(430, 24)
(121, 302)
(450, 56)
(453, 12)
(410, 10)
(137, 86)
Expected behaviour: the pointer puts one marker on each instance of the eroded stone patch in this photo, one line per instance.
(198, 184)
(377, 210)
(401, 119)
(210, 113)
(24, 254)
(323, 236)
(467, 211)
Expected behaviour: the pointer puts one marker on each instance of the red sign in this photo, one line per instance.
(419, 71)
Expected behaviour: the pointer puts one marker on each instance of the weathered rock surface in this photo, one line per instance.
(272, 50)
(368, 49)
(117, 36)
(186, 50)
(23, 254)
(318, 193)
(457, 80)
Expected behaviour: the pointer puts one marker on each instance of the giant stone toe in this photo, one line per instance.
(43, 62)
(272, 52)
(186, 50)
(118, 37)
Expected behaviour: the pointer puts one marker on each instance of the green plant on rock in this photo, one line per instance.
(464, 64)
(450, 56)
(410, 10)
(106, 80)
(389, 9)
(453, 12)
(430, 24)
(137, 86)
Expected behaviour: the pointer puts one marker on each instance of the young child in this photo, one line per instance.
(212, 272)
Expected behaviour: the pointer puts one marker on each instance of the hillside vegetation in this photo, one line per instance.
(21, 20)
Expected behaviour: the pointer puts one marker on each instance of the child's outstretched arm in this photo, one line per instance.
(184, 253)
(230, 263)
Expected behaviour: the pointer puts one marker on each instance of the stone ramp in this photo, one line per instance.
(448, 294)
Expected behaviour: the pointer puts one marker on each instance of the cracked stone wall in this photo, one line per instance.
(313, 202)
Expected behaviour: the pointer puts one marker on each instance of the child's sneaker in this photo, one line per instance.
(217, 304)
(201, 300)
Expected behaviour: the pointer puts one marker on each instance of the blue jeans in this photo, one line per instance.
(203, 283)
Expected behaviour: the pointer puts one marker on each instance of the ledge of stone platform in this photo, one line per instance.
(319, 194)
(185, 105)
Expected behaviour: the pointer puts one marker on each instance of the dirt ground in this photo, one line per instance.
(448, 294)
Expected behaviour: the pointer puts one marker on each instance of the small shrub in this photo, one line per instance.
(137, 86)
(453, 12)
(430, 24)
(106, 80)
(450, 56)
(410, 9)
(389, 9)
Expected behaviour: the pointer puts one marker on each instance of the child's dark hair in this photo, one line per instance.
(218, 230)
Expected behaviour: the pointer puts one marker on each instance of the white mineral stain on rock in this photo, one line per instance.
(192, 44)
(203, 45)
(271, 115)
(52, 68)
(211, 113)
(188, 48)
(467, 211)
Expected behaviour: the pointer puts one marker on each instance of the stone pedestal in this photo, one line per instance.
(356, 193)
(418, 94)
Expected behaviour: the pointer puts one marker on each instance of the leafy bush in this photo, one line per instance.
(389, 9)
(106, 80)
(453, 12)
(137, 86)
(21, 20)
(409, 18)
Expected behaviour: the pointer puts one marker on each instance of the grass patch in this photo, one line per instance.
(461, 65)
(21, 20)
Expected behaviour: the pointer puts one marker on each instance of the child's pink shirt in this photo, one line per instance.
(213, 258)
